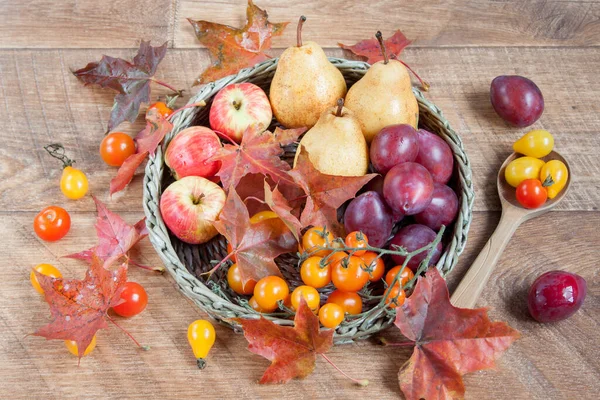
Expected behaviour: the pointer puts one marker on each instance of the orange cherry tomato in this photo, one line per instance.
(331, 315)
(252, 303)
(310, 295)
(406, 275)
(375, 267)
(269, 290)
(161, 108)
(234, 279)
(350, 302)
(313, 274)
(116, 147)
(315, 237)
(230, 250)
(357, 239)
(395, 298)
(348, 275)
(261, 216)
(52, 223)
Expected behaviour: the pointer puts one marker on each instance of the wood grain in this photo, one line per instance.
(552, 361)
(44, 103)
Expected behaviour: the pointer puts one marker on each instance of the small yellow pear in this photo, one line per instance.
(336, 144)
(304, 85)
(383, 96)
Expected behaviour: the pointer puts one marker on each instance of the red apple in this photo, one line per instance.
(238, 106)
(188, 152)
(189, 206)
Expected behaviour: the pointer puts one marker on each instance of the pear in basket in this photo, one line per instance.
(304, 85)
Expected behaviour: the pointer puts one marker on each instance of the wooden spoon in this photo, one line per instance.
(513, 214)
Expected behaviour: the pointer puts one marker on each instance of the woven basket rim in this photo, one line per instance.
(221, 308)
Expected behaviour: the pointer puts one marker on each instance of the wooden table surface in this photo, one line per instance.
(459, 47)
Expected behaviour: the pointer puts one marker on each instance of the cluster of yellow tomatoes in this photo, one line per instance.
(535, 179)
(346, 264)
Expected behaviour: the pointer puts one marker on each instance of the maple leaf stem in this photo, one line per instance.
(147, 267)
(385, 342)
(360, 382)
(255, 199)
(224, 136)
(179, 92)
(424, 84)
(201, 103)
(212, 271)
(127, 333)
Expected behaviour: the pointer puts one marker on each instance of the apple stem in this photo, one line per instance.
(299, 30)
(127, 333)
(359, 382)
(424, 84)
(379, 37)
(236, 105)
(340, 104)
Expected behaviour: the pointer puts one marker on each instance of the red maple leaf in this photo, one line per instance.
(325, 193)
(292, 351)
(449, 341)
(370, 51)
(79, 307)
(232, 49)
(254, 245)
(260, 152)
(280, 206)
(131, 80)
(147, 140)
(115, 236)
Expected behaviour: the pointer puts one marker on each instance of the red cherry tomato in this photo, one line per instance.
(116, 147)
(135, 302)
(531, 193)
(161, 108)
(52, 223)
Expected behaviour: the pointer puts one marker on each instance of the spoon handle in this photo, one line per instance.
(472, 284)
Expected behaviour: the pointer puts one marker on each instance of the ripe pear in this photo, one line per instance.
(336, 144)
(304, 85)
(383, 96)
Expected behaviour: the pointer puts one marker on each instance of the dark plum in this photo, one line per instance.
(414, 237)
(407, 188)
(442, 210)
(556, 295)
(435, 155)
(369, 214)
(393, 145)
(517, 100)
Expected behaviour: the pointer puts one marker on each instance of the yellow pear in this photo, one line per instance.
(383, 96)
(336, 145)
(304, 85)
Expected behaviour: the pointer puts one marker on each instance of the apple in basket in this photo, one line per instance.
(189, 207)
(236, 107)
(189, 152)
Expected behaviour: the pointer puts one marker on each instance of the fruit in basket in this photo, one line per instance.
(314, 274)
(435, 155)
(522, 168)
(408, 188)
(537, 143)
(189, 151)
(556, 295)
(350, 302)
(357, 240)
(331, 315)
(310, 296)
(369, 214)
(442, 210)
(336, 145)
(383, 96)
(269, 291)
(393, 145)
(557, 170)
(234, 279)
(236, 107)
(349, 274)
(305, 84)
(414, 237)
(374, 265)
(316, 237)
(405, 276)
(189, 206)
(516, 99)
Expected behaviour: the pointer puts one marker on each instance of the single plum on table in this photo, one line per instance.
(517, 100)
(556, 295)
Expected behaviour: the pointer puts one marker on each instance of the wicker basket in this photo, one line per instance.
(185, 262)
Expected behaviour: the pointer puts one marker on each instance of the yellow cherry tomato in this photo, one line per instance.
(537, 143)
(559, 173)
(73, 183)
(44, 269)
(522, 168)
(310, 295)
(331, 315)
(72, 347)
(261, 216)
(201, 336)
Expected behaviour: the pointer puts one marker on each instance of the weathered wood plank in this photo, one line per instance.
(44, 103)
(551, 361)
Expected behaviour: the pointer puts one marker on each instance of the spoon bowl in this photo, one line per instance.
(513, 215)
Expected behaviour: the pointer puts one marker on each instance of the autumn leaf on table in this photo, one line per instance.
(292, 351)
(130, 80)
(254, 245)
(449, 341)
(259, 152)
(232, 49)
(115, 237)
(370, 51)
(325, 193)
(147, 141)
(79, 307)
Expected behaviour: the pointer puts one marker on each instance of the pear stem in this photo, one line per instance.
(340, 104)
(299, 30)
(379, 37)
